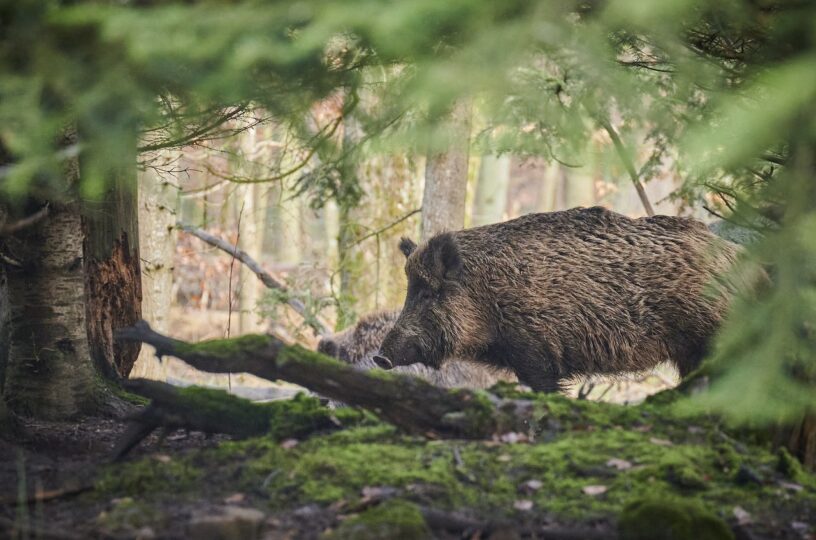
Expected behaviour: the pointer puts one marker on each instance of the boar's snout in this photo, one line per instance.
(383, 362)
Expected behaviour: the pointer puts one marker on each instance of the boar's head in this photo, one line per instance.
(438, 315)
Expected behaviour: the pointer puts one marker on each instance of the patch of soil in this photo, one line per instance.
(59, 461)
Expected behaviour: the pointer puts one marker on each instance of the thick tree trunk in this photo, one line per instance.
(491, 190)
(446, 173)
(49, 373)
(113, 273)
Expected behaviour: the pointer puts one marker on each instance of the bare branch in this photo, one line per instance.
(33, 219)
(266, 278)
(628, 164)
(387, 227)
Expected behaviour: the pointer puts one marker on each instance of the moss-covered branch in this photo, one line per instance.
(216, 411)
(411, 404)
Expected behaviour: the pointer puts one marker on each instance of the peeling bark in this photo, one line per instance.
(114, 301)
(113, 276)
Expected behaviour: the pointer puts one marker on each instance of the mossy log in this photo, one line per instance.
(410, 404)
(216, 411)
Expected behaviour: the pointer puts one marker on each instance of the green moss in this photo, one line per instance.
(665, 458)
(391, 519)
(147, 476)
(226, 348)
(790, 466)
(670, 519)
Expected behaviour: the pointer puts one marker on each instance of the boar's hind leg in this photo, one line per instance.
(688, 357)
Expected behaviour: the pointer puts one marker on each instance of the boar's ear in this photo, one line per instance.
(407, 246)
(445, 260)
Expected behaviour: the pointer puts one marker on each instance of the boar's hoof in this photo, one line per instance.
(383, 362)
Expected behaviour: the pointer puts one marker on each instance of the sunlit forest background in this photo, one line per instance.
(231, 186)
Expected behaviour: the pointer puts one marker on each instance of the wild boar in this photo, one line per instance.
(557, 295)
(358, 345)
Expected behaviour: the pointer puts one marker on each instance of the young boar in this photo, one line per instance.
(557, 295)
(358, 345)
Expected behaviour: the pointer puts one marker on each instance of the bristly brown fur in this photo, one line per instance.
(563, 294)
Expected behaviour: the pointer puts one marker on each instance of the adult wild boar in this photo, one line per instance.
(358, 345)
(556, 295)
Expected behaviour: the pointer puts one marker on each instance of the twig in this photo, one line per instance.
(266, 278)
(33, 219)
(386, 227)
(232, 264)
(628, 164)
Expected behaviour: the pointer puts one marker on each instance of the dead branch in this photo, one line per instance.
(409, 403)
(11, 228)
(319, 327)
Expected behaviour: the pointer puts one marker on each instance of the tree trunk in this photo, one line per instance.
(157, 245)
(443, 199)
(113, 273)
(250, 241)
(49, 373)
(491, 190)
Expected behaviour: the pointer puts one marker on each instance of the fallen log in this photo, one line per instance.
(215, 411)
(408, 403)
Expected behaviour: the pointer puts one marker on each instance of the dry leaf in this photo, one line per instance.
(504, 458)
(523, 505)
(660, 442)
(235, 498)
(530, 486)
(289, 443)
(620, 464)
(594, 490)
(743, 517)
(791, 486)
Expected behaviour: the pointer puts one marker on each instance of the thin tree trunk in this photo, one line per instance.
(249, 241)
(491, 190)
(157, 244)
(443, 199)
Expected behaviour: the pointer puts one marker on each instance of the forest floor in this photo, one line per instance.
(588, 470)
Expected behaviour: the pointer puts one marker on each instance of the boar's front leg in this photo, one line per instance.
(538, 378)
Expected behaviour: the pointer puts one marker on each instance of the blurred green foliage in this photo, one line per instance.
(723, 91)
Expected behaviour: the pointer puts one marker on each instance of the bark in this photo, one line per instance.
(446, 173)
(113, 273)
(491, 190)
(49, 374)
(407, 402)
(157, 245)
